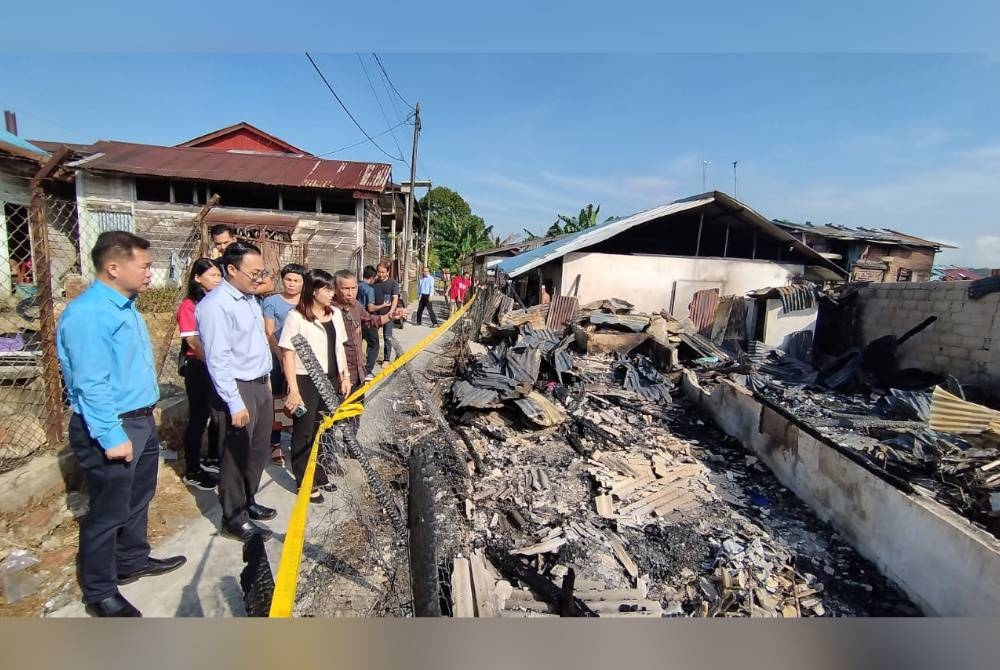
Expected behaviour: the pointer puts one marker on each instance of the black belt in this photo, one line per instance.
(260, 380)
(136, 413)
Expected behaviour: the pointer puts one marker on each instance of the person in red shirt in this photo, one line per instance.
(455, 292)
(205, 276)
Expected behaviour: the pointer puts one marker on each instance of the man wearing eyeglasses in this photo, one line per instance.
(224, 234)
(231, 326)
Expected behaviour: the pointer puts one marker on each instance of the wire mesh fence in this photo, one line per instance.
(48, 239)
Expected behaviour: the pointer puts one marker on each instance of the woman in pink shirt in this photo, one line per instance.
(205, 276)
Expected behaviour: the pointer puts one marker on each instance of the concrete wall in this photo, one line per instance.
(945, 564)
(965, 340)
(649, 282)
(778, 326)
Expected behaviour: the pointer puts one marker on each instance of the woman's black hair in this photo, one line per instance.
(293, 269)
(311, 281)
(196, 291)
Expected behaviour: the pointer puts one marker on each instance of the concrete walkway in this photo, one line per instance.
(208, 584)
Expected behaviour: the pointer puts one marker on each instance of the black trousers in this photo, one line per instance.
(200, 394)
(370, 336)
(113, 536)
(245, 451)
(304, 431)
(425, 301)
(387, 341)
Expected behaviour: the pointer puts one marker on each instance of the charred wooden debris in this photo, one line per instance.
(596, 490)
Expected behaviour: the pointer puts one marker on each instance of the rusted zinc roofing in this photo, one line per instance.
(223, 166)
(637, 323)
(875, 235)
(951, 414)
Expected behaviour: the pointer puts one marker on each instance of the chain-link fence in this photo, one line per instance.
(48, 236)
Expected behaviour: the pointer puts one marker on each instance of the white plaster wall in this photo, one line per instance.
(945, 565)
(779, 327)
(648, 281)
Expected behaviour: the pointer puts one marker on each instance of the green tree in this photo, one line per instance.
(587, 218)
(455, 237)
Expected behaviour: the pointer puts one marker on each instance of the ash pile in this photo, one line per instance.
(597, 491)
(914, 426)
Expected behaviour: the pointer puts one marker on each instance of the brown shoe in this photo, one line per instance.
(277, 457)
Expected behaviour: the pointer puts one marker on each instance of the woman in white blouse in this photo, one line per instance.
(322, 325)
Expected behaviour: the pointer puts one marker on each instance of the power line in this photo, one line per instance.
(357, 144)
(348, 112)
(379, 101)
(386, 75)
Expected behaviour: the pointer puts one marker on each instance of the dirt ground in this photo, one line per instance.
(49, 529)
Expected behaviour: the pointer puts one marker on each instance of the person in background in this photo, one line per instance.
(204, 278)
(466, 287)
(321, 323)
(231, 326)
(106, 359)
(425, 287)
(386, 301)
(366, 297)
(224, 234)
(275, 308)
(357, 319)
(455, 293)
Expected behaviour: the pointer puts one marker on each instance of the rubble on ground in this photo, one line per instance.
(623, 502)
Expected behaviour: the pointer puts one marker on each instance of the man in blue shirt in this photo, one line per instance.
(107, 363)
(231, 326)
(425, 287)
(366, 296)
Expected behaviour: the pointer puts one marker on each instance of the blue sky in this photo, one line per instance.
(905, 141)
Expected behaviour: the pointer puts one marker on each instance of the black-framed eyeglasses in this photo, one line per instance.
(256, 277)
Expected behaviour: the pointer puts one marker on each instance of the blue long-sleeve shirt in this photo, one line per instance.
(231, 327)
(426, 285)
(107, 361)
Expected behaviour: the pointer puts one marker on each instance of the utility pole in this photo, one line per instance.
(704, 168)
(427, 230)
(736, 187)
(408, 224)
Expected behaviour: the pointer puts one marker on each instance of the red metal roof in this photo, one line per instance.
(242, 135)
(224, 166)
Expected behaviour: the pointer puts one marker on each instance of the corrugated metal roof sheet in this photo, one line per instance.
(561, 311)
(883, 235)
(951, 414)
(214, 165)
(702, 310)
(521, 263)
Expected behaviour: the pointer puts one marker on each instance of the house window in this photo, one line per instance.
(904, 274)
(152, 190)
(115, 221)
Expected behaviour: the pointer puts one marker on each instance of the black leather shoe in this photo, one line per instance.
(245, 531)
(113, 606)
(261, 513)
(153, 567)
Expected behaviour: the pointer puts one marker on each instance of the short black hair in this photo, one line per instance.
(220, 228)
(293, 269)
(236, 251)
(113, 245)
(369, 272)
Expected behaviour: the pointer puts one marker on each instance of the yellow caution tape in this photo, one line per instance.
(287, 580)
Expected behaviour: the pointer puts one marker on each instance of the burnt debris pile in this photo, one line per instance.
(596, 490)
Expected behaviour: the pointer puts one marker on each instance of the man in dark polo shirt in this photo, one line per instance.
(107, 363)
(386, 301)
